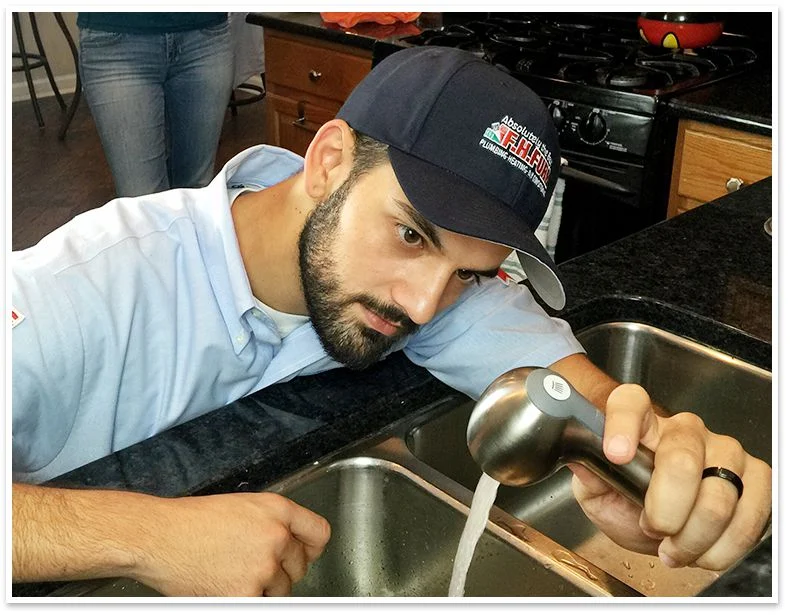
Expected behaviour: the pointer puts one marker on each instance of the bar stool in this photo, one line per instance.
(32, 61)
(257, 93)
(248, 61)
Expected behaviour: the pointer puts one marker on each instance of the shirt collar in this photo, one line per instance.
(258, 167)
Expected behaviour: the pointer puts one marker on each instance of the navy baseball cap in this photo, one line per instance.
(474, 149)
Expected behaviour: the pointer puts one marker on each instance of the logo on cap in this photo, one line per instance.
(521, 148)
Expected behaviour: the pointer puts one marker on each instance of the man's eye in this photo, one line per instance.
(468, 277)
(409, 235)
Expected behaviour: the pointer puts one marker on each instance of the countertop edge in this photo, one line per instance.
(323, 31)
(725, 118)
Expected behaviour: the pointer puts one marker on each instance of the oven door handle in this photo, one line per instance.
(575, 174)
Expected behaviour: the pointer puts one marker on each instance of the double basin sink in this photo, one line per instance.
(398, 502)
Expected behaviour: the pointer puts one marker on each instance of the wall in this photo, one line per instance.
(57, 50)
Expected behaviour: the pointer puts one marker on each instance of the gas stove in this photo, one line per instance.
(608, 92)
(556, 57)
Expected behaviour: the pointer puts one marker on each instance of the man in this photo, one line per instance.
(388, 236)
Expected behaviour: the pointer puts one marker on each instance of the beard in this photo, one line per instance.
(344, 337)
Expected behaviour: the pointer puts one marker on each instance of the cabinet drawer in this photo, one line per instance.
(710, 160)
(313, 68)
(292, 124)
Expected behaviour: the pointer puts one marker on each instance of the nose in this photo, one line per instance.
(421, 293)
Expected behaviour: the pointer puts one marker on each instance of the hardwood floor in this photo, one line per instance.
(52, 181)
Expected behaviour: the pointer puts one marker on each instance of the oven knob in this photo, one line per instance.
(593, 129)
(557, 115)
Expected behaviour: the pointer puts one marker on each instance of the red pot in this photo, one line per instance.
(680, 30)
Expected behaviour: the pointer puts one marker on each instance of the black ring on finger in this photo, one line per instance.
(727, 475)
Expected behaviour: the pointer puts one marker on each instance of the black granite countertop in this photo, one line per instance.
(705, 274)
(743, 103)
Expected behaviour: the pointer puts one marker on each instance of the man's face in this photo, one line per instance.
(373, 269)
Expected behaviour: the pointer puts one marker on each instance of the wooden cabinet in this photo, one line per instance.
(307, 80)
(711, 161)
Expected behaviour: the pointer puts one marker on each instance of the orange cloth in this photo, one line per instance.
(348, 20)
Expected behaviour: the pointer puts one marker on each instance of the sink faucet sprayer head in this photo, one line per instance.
(530, 421)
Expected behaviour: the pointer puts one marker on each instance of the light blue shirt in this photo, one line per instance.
(138, 316)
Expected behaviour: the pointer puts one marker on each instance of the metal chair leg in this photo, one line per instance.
(232, 104)
(31, 61)
(75, 100)
(26, 66)
(43, 54)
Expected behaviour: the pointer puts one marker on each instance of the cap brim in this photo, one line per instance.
(453, 203)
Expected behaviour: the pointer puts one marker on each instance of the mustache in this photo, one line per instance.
(388, 312)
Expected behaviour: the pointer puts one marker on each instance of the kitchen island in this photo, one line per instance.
(706, 275)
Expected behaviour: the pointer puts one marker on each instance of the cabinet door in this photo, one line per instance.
(292, 124)
(711, 161)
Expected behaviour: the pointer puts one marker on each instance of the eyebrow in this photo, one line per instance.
(429, 229)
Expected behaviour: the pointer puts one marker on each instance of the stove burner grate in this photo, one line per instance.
(626, 77)
(586, 54)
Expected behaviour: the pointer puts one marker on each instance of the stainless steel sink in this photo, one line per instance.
(731, 396)
(397, 502)
(394, 534)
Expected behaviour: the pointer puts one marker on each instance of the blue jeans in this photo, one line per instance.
(158, 101)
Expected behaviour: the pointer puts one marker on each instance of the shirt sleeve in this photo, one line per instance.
(493, 328)
(47, 366)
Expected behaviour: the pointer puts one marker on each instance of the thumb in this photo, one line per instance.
(629, 420)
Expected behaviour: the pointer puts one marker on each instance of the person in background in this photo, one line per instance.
(387, 236)
(158, 86)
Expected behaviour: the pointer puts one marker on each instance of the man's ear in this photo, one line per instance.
(329, 159)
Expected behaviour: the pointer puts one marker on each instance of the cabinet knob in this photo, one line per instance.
(314, 75)
(733, 184)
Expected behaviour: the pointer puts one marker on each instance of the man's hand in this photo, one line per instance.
(687, 520)
(241, 544)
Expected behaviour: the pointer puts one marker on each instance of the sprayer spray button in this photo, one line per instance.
(557, 387)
